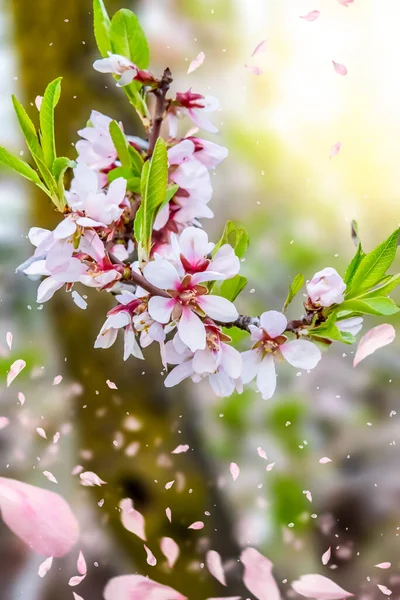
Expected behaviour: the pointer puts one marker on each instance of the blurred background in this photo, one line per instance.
(297, 204)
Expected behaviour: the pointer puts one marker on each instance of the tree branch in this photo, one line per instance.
(160, 92)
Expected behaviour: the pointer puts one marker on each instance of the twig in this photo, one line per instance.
(160, 92)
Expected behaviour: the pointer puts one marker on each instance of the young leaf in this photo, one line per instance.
(60, 166)
(46, 116)
(294, 288)
(56, 195)
(120, 144)
(370, 306)
(352, 268)
(136, 160)
(237, 237)
(128, 38)
(102, 26)
(231, 288)
(133, 182)
(19, 166)
(374, 265)
(387, 285)
(28, 129)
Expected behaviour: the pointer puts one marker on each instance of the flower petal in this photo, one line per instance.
(222, 385)
(162, 274)
(205, 361)
(266, 377)
(251, 360)
(258, 576)
(319, 587)
(191, 330)
(218, 308)
(132, 519)
(231, 361)
(178, 374)
(160, 308)
(129, 587)
(301, 354)
(375, 338)
(273, 322)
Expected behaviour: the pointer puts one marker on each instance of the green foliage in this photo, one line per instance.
(136, 160)
(128, 38)
(46, 116)
(132, 181)
(231, 288)
(28, 129)
(102, 26)
(60, 166)
(329, 330)
(294, 289)
(153, 187)
(20, 167)
(370, 306)
(120, 144)
(236, 236)
(353, 266)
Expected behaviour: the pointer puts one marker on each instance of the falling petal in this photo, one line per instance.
(132, 519)
(270, 466)
(9, 339)
(38, 102)
(169, 485)
(57, 379)
(50, 476)
(324, 460)
(384, 565)
(214, 565)
(45, 566)
(81, 564)
(261, 453)
(79, 301)
(319, 587)
(76, 580)
(335, 149)
(257, 576)
(111, 385)
(375, 338)
(196, 62)
(128, 587)
(56, 437)
(308, 495)
(181, 448)
(151, 559)
(235, 470)
(88, 478)
(326, 556)
(15, 370)
(76, 597)
(384, 589)
(170, 549)
(339, 68)
(311, 16)
(254, 69)
(196, 525)
(4, 422)
(21, 398)
(41, 432)
(261, 47)
(346, 2)
(169, 514)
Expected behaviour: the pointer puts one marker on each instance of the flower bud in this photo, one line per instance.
(326, 288)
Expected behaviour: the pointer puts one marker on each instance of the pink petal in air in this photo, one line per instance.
(151, 559)
(81, 564)
(385, 590)
(45, 566)
(254, 69)
(131, 587)
(170, 549)
(319, 587)
(42, 519)
(339, 68)
(196, 62)
(324, 460)
(76, 580)
(9, 339)
(169, 485)
(21, 398)
(335, 149)
(270, 466)
(40, 431)
(261, 453)
(375, 338)
(15, 370)
(261, 47)
(132, 519)
(257, 576)
(111, 385)
(196, 525)
(384, 565)
(50, 476)
(88, 478)
(346, 2)
(4, 422)
(181, 448)
(214, 565)
(169, 514)
(57, 379)
(235, 470)
(326, 556)
(76, 597)
(311, 16)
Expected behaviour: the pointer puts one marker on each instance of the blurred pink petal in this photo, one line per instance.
(308, 495)
(169, 485)
(214, 565)
(270, 467)
(88, 478)
(50, 476)
(4, 422)
(326, 556)
(41, 432)
(261, 453)
(45, 566)
(111, 385)
(254, 69)
(56, 437)
(15, 370)
(132, 519)
(42, 519)
(81, 564)
(375, 338)
(169, 514)
(196, 525)
(311, 16)
(384, 589)
(76, 597)
(345, 2)
(21, 398)
(324, 460)
(181, 448)
(57, 379)
(38, 102)
(76, 580)
(257, 576)
(319, 587)
(137, 587)
(151, 559)
(384, 565)
(196, 62)
(227, 598)
(335, 149)
(170, 549)
(339, 68)
(9, 339)
(235, 470)
(261, 47)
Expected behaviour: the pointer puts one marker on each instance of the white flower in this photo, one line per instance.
(118, 65)
(326, 288)
(269, 343)
(352, 325)
(97, 149)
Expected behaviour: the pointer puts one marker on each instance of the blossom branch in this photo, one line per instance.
(243, 322)
(160, 92)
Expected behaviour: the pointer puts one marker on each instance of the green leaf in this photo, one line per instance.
(294, 288)
(102, 26)
(374, 265)
(236, 236)
(353, 266)
(120, 144)
(56, 195)
(136, 160)
(133, 182)
(329, 330)
(50, 101)
(153, 187)
(387, 285)
(60, 166)
(370, 306)
(231, 288)
(19, 166)
(128, 38)
(28, 129)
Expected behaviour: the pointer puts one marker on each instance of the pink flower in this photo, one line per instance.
(194, 106)
(40, 518)
(188, 302)
(208, 153)
(326, 288)
(319, 587)
(120, 65)
(118, 318)
(97, 149)
(219, 361)
(270, 343)
(138, 587)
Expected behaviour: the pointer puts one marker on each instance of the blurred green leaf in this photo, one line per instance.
(20, 167)
(294, 289)
(46, 116)
(236, 236)
(231, 288)
(60, 166)
(28, 129)
(120, 144)
(136, 160)
(102, 26)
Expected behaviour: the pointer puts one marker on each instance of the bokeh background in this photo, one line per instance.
(297, 204)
